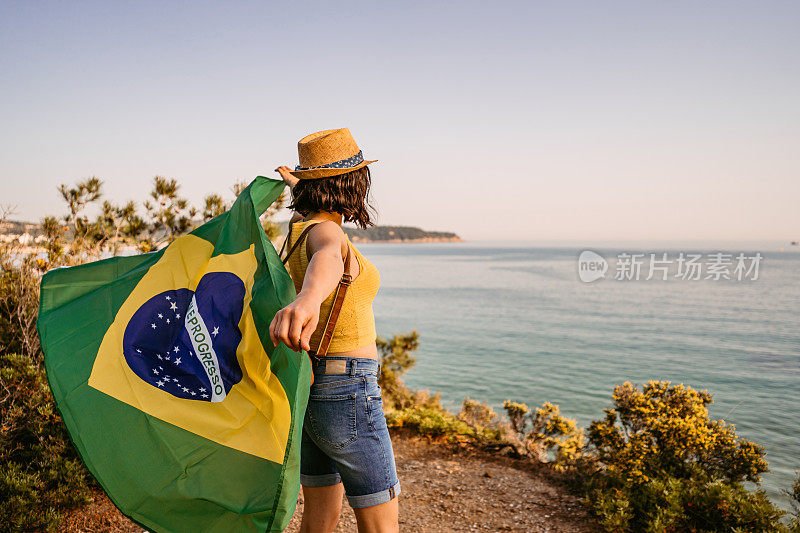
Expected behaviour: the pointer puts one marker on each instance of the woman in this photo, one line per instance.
(345, 443)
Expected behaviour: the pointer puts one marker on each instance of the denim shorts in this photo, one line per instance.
(345, 437)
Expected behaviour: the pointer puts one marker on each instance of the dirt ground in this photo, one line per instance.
(446, 489)
(443, 489)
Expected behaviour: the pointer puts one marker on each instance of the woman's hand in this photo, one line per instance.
(287, 176)
(294, 324)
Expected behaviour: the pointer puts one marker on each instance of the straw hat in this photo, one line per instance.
(328, 153)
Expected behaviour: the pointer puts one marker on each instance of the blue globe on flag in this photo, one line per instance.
(184, 342)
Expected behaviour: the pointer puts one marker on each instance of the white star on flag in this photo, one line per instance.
(160, 383)
(177, 360)
(154, 326)
(216, 330)
(173, 306)
(176, 350)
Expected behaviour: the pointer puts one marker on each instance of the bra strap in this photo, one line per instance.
(296, 244)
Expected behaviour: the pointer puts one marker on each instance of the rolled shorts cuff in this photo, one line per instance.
(376, 498)
(321, 480)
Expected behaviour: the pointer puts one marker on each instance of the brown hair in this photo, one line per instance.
(347, 194)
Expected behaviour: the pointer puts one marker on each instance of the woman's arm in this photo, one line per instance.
(290, 180)
(294, 324)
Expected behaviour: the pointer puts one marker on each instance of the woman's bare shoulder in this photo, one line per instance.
(325, 234)
(327, 227)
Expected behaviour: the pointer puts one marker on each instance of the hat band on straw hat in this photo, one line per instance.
(344, 163)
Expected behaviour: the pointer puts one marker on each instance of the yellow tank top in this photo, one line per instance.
(356, 324)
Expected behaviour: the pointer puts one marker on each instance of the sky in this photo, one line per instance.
(548, 121)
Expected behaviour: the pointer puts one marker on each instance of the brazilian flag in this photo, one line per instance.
(163, 370)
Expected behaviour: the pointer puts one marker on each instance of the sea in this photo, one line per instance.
(515, 321)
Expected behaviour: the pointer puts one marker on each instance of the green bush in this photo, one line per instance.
(794, 497)
(419, 410)
(658, 463)
(396, 360)
(40, 473)
(414, 409)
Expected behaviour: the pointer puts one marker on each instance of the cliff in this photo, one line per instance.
(398, 234)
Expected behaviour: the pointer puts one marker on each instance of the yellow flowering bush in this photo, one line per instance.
(661, 464)
(549, 433)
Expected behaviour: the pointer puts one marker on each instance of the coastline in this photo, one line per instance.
(422, 239)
